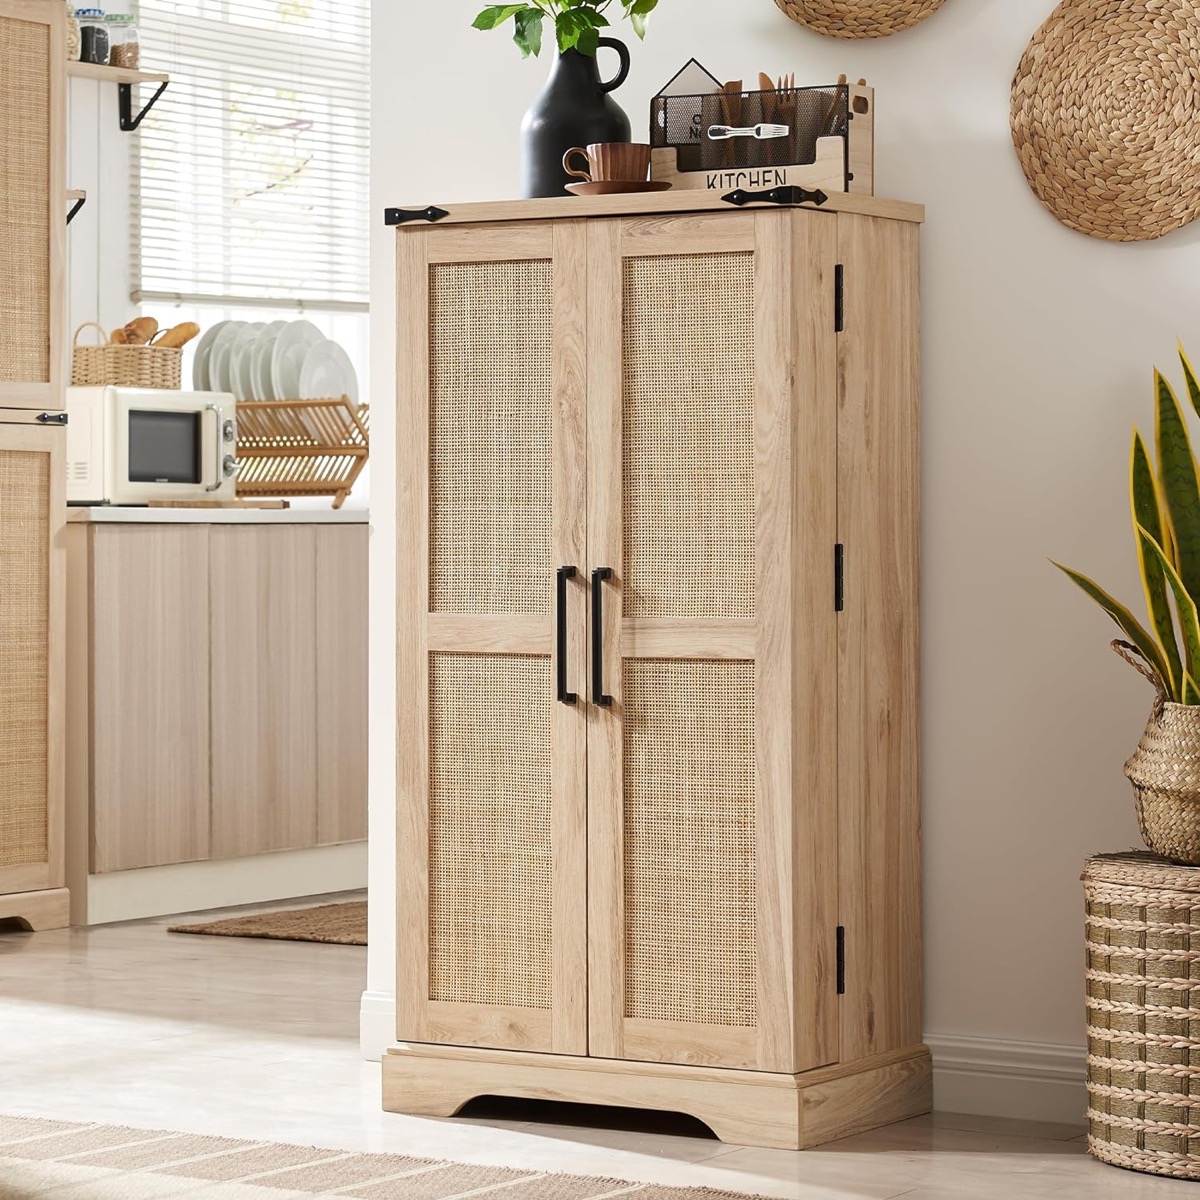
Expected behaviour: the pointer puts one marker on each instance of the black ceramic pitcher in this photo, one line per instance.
(574, 109)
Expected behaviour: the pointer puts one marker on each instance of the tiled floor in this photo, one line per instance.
(129, 1025)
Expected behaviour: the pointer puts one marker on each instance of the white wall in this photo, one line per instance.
(1038, 347)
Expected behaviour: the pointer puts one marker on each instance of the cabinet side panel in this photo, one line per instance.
(879, 729)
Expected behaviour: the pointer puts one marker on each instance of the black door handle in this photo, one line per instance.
(560, 636)
(599, 575)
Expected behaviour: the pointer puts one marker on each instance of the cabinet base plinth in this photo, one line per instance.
(747, 1108)
(49, 909)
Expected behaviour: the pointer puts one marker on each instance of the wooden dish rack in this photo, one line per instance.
(301, 447)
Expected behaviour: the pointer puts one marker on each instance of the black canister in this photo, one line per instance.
(93, 36)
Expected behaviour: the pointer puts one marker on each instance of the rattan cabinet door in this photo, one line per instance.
(32, 512)
(32, 202)
(492, 751)
(711, 743)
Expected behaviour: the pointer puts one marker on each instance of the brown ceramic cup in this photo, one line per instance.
(606, 161)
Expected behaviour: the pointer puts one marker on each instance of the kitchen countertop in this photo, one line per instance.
(111, 514)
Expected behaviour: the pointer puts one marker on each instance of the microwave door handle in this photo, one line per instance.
(218, 424)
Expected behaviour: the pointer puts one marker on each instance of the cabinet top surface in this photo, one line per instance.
(683, 200)
(218, 516)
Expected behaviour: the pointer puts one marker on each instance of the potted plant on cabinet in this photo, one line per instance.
(1165, 502)
(575, 108)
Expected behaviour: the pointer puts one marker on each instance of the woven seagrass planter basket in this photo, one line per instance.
(1143, 1008)
(1165, 773)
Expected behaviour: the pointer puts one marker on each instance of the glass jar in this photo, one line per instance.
(123, 49)
(73, 40)
(93, 35)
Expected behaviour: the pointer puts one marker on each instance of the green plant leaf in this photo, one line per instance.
(642, 8)
(589, 41)
(639, 24)
(1193, 386)
(1128, 623)
(1180, 487)
(1191, 693)
(528, 34)
(497, 14)
(1147, 515)
(1189, 619)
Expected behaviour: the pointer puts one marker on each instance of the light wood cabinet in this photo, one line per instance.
(32, 194)
(150, 695)
(658, 804)
(199, 687)
(32, 512)
(264, 744)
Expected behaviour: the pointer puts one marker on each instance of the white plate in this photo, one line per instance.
(200, 376)
(240, 359)
(219, 379)
(260, 370)
(287, 358)
(328, 372)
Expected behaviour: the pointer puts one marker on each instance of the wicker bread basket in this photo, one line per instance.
(1165, 773)
(146, 366)
(1143, 1013)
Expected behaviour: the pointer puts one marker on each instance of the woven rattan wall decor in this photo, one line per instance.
(859, 18)
(1106, 116)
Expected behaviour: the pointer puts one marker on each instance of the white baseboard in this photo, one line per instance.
(192, 887)
(1033, 1081)
(376, 1024)
(991, 1077)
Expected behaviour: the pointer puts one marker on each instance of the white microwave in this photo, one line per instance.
(135, 445)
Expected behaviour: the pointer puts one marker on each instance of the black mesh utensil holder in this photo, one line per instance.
(809, 113)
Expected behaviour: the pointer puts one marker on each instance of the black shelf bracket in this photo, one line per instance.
(781, 195)
(125, 93)
(401, 216)
(80, 201)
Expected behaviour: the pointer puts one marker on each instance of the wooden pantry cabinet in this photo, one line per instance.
(33, 149)
(32, 500)
(658, 802)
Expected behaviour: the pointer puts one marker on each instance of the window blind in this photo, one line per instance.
(251, 173)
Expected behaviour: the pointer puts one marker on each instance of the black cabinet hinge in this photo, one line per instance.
(839, 577)
(52, 418)
(787, 194)
(402, 216)
(839, 298)
(841, 960)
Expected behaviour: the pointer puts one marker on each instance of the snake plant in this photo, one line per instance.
(1165, 505)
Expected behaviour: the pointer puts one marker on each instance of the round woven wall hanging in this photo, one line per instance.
(859, 18)
(1106, 116)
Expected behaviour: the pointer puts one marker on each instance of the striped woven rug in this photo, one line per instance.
(46, 1160)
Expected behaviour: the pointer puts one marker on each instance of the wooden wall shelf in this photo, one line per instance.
(125, 78)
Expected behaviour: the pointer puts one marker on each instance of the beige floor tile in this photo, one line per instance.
(128, 1025)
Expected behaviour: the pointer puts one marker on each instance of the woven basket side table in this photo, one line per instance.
(1143, 1009)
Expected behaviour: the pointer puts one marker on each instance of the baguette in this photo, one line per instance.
(180, 335)
(140, 330)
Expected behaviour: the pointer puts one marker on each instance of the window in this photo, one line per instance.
(251, 174)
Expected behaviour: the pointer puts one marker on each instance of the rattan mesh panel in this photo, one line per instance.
(491, 345)
(25, 200)
(24, 666)
(490, 848)
(690, 934)
(689, 436)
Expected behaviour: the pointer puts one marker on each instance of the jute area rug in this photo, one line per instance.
(49, 1160)
(342, 924)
